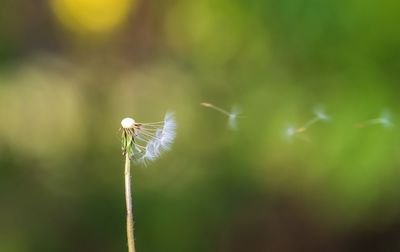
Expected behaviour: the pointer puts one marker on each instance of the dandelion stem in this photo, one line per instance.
(129, 212)
(369, 122)
(374, 121)
(311, 122)
(209, 105)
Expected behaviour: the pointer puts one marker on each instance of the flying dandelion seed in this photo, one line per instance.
(385, 119)
(146, 141)
(319, 115)
(233, 115)
(291, 132)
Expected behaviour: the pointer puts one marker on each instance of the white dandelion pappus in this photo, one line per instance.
(290, 131)
(233, 116)
(386, 119)
(321, 115)
(146, 141)
(167, 135)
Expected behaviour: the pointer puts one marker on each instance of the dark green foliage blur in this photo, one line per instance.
(70, 70)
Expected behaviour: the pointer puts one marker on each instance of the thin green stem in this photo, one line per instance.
(129, 212)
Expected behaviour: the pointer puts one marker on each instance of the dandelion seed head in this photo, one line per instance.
(154, 138)
(127, 123)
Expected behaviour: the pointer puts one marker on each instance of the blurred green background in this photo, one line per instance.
(70, 70)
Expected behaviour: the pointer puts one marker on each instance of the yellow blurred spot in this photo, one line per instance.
(92, 16)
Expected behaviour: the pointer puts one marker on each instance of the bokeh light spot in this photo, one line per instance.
(92, 16)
